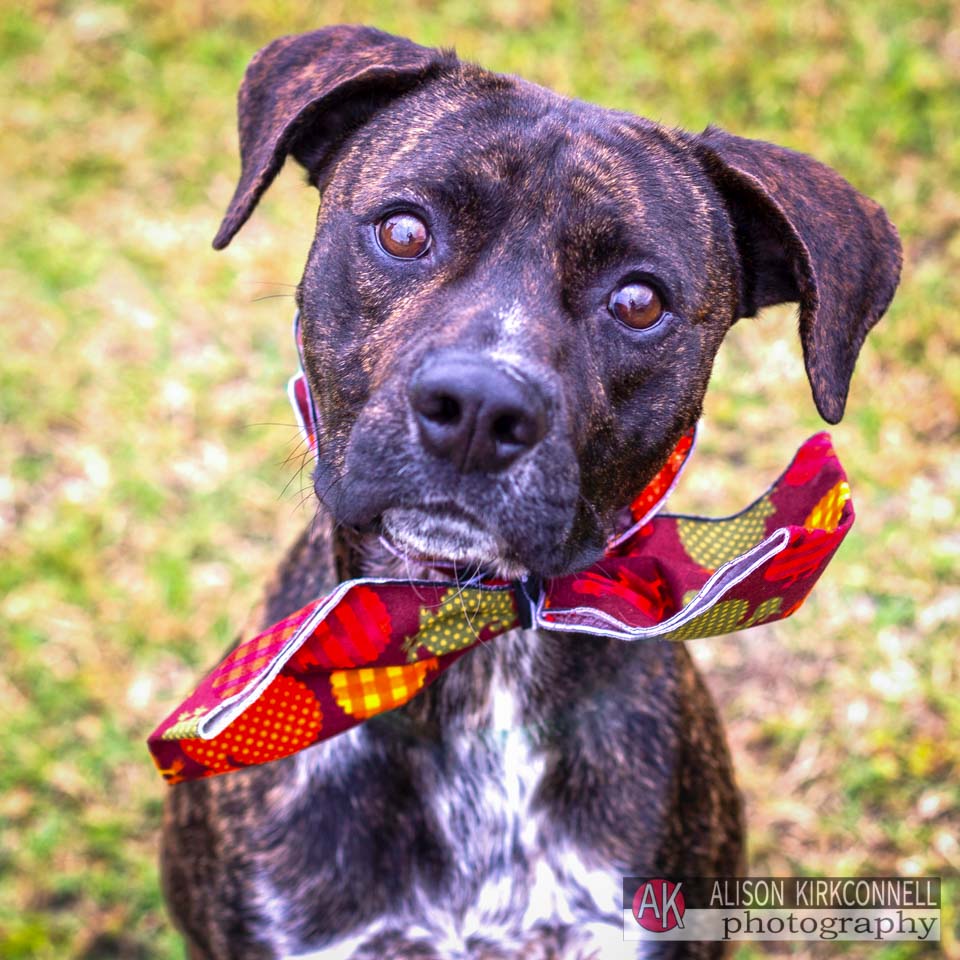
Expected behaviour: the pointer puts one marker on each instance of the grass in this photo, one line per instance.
(145, 435)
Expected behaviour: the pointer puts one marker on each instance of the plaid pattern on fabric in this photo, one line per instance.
(366, 692)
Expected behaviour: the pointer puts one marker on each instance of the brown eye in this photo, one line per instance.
(404, 236)
(636, 305)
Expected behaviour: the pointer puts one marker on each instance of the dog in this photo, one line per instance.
(509, 314)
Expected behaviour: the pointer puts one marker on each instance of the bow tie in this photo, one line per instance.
(373, 644)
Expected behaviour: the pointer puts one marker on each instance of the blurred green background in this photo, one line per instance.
(146, 479)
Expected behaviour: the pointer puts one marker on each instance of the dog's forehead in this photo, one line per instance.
(501, 135)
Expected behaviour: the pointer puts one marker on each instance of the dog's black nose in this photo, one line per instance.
(474, 413)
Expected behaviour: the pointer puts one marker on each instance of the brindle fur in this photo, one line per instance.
(434, 831)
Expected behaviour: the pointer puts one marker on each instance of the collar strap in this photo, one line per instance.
(372, 644)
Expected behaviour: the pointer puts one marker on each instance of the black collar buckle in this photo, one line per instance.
(527, 593)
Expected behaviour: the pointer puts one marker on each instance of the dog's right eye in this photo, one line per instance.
(404, 236)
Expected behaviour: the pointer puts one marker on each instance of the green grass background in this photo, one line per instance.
(145, 489)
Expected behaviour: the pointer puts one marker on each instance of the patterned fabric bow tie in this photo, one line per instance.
(373, 644)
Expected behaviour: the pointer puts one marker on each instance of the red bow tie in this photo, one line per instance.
(373, 644)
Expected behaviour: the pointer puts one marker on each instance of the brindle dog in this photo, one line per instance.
(510, 312)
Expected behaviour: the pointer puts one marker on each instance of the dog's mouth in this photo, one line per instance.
(443, 534)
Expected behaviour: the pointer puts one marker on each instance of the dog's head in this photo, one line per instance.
(513, 300)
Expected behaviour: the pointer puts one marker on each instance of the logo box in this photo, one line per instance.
(781, 908)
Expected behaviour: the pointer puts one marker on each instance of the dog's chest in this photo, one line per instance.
(511, 868)
(487, 806)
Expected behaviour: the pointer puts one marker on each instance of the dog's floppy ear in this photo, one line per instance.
(804, 234)
(315, 87)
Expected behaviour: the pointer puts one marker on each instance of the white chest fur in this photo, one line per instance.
(512, 871)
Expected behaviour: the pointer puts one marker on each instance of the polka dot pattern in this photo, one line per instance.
(461, 616)
(712, 543)
(768, 609)
(722, 618)
(186, 725)
(285, 719)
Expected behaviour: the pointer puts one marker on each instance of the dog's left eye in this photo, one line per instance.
(637, 305)
(404, 236)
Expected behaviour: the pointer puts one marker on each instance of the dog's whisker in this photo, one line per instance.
(305, 496)
(463, 607)
(418, 593)
(299, 452)
(297, 476)
(273, 296)
(591, 508)
(298, 447)
(269, 423)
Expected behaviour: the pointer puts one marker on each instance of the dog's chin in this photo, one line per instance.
(438, 536)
